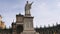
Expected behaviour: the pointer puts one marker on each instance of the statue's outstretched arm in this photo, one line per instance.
(31, 3)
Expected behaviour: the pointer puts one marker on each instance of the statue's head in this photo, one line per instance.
(27, 1)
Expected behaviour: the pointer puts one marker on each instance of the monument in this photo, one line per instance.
(28, 21)
(24, 23)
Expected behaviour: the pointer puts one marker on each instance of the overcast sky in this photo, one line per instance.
(44, 11)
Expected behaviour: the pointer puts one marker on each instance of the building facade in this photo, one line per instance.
(2, 24)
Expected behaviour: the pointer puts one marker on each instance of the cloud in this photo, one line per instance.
(45, 13)
(40, 11)
(58, 4)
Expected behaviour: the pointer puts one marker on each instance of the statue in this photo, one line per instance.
(27, 8)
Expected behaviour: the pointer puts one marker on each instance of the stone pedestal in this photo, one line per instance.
(29, 32)
(14, 32)
(28, 25)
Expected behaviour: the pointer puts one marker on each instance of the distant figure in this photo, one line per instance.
(28, 7)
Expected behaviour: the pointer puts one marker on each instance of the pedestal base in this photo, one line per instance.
(14, 32)
(29, 32)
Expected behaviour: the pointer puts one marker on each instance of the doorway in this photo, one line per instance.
(19, 29)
